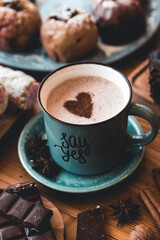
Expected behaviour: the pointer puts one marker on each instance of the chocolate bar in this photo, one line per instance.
(6, 200)
(37, 217)
(48, 235)
(19, 210)
(11, 232)
(26, 190)
(31, 214)
(90, 225)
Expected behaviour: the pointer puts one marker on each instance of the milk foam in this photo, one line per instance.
(107, 99)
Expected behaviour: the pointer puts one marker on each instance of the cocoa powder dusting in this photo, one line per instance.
(82, 107)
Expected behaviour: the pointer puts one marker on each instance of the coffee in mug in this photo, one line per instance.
(85, 100)
(86, 108)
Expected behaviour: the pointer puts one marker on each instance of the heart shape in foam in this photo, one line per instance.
(82, 107)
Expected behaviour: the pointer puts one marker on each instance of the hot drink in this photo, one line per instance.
(75, 97)
(85, 100)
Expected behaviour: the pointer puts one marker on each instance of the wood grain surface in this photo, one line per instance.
(11, 171)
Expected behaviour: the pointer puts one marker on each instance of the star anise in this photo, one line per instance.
(47, 167)
(37, 147)
(41, 157)
(125, 211)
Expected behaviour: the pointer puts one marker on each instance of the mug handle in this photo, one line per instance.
(149, 115)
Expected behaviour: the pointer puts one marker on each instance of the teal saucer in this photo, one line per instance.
(68, 182)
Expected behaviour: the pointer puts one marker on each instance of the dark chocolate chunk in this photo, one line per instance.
(82, 107)
(6, 201)
(21, 208)
(37, 217)
(45, 236)
(11, 232)
(90, 225)
(26, 190)
(63, 14)
(21, 187)
(154, 79)
(20, 232)
(3, 220)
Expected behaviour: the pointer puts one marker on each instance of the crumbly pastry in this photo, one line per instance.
(68, 34)
(21, 88)
(19, 24)
(119, 21)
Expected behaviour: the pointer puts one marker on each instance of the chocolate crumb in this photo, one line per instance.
(82, 107)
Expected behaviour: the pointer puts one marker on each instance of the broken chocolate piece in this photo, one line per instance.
(44, 236)
(90, 225)
(26, 190)
(21, 208)
(16, 208)
(6, 201)
(29, 192)
(37, 217)
(3, 220)
(11, 232)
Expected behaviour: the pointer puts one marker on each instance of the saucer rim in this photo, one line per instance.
(51, 183)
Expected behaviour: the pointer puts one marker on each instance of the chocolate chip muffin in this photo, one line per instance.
(68, 34)
(19, 24)
(119, 21)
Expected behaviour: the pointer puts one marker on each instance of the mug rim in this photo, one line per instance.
(88, 124)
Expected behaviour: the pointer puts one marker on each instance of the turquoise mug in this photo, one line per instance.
(98, 147)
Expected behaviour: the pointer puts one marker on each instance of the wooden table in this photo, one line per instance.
(11, 172)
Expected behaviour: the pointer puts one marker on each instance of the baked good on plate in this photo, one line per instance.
(119, 21)
(20, 87)
(68, 34)
(19, 24)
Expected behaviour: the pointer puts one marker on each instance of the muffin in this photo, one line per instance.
(19, 24)
(119, 21)
(68, 34)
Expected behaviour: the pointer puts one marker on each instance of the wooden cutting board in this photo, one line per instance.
(139, 79)
(56, 220)
(7, 119)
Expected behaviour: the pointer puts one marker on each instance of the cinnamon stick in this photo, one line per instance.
(152, 204)
(156, 176)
